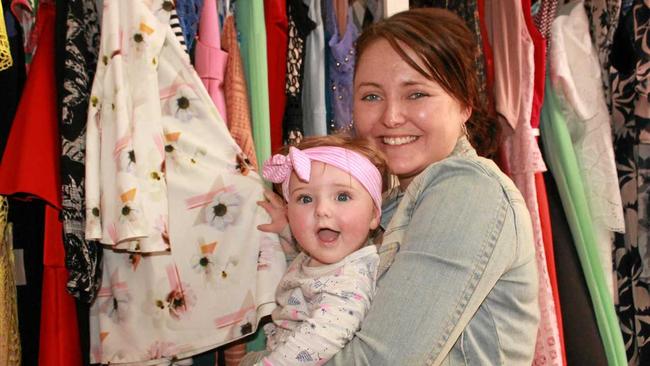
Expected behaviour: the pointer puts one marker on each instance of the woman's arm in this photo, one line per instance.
(458, 243)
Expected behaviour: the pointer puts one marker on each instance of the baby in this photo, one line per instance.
(332, 186)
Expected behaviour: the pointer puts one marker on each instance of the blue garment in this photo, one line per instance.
(341, 71)
(462, 283)
(189, 13)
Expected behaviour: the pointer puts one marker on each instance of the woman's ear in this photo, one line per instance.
(466, 113)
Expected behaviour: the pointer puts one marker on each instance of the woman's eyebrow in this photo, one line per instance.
(369, 83)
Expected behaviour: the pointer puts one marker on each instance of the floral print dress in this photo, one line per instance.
(631, 125)
(171, 198)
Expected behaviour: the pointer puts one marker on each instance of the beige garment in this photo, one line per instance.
(9, 336)
(239, 114)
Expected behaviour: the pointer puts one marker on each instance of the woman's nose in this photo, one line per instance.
(393, 114)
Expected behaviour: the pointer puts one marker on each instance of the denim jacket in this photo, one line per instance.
(459, 281)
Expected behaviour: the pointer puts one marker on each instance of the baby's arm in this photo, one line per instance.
(340, 305)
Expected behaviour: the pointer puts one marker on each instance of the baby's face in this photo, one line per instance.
(331, 215)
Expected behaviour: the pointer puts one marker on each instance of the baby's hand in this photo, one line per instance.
(275, 207)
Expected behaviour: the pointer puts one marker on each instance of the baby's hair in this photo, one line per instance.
(356, 144)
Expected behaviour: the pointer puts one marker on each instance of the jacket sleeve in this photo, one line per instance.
(453, 252)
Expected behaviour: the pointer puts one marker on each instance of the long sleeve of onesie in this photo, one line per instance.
(321, 308)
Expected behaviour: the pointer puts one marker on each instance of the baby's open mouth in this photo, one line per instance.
(328, 235)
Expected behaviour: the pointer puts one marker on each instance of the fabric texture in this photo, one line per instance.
(470, 304)
(252, 33)
(320, 308)
(35, 134)
(539, 43)
(24, 11)
(575, 73)
(603, 21)
(209, 60)
(175, 23)
(189, 14)
(200, 277)
(514, 66)
(236, 92)
(562, 161)
(299, 28)
(9, 336)
(13, 79)
(581, 338)
(544, 17)
(631, 125)
(78, 65)
(341, 73)
(276, 20)
(6, 61)
(313, 96)
(467, 10)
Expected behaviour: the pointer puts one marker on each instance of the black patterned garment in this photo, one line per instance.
(631, 125)
(603, 20)
(468, 10)
(299, 27)
(77, 64)
(544, 17)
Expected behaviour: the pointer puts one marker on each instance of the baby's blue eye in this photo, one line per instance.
(343, 197)
(304, 199)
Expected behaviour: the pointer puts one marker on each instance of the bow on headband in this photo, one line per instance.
(278, 169)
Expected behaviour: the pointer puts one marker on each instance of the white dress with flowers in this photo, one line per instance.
(169, 194)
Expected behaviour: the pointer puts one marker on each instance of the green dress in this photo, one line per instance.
(561, 160)
(250, 23)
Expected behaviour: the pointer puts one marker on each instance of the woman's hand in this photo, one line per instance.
(275, 207)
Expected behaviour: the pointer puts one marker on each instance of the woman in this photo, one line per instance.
(459, 282)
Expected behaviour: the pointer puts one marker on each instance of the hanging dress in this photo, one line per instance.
(30, 166)
(561, 160)
(184, 269)
(514, 66)
(236, 93)
(313, 96)
(277, 38)
(631, 125)
(252, 34)
(78, 62)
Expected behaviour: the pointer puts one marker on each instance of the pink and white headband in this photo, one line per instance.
(278, 169)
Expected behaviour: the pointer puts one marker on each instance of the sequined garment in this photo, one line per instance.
(9, 337)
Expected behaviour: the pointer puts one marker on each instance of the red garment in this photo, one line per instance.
(542, 201)
(31, 166)
(59, 338)
(277, 38)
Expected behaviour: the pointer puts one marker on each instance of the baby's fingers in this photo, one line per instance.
(273, 198)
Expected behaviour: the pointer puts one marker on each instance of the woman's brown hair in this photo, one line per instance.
(356, 144)
(446, 48)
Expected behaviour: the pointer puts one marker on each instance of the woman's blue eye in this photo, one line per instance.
(370, 97)
(304, 199)
(343, 197)
(417, 95)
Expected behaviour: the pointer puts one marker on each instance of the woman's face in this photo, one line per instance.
(412, 119)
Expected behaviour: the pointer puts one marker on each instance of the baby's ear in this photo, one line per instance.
(374, 223)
